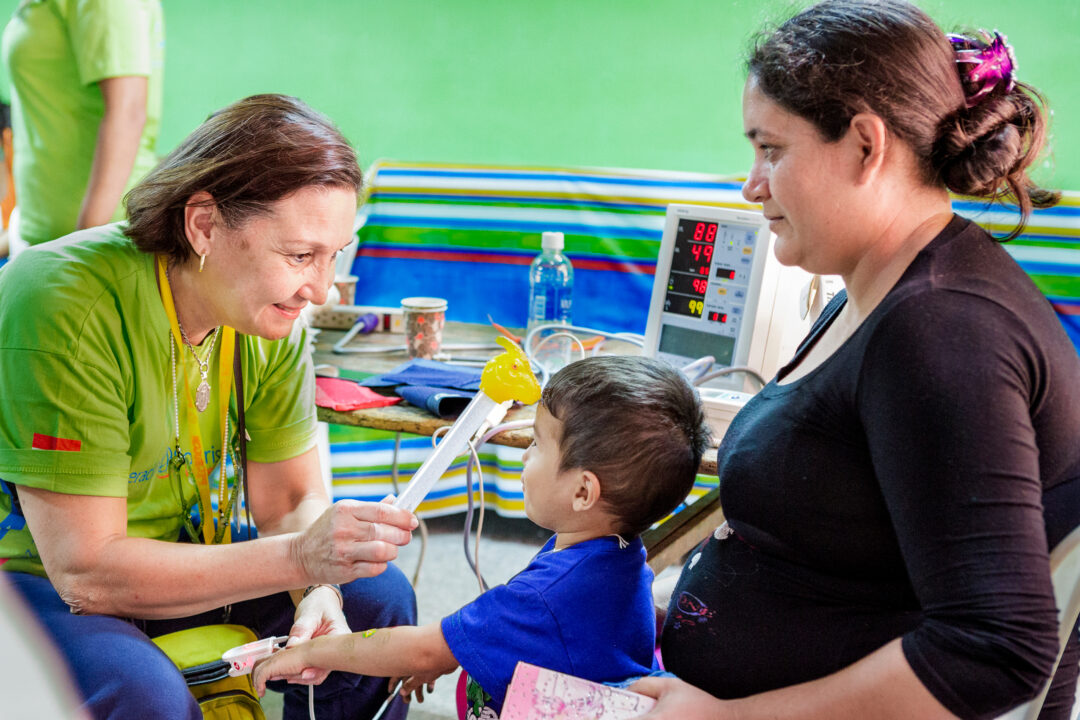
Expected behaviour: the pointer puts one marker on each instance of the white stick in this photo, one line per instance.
(453, 444)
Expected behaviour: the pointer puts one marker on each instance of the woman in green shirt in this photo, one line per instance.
(116, 404)
(86, 81)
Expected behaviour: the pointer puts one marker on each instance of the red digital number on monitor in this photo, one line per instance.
(705, 232)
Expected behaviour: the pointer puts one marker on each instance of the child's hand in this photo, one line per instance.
(288, 664)
(414, 686)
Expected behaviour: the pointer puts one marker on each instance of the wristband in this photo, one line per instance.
(332, 586)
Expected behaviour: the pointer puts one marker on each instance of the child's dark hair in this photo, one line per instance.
(638, 425)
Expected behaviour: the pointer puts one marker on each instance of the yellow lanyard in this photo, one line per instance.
(225, 361)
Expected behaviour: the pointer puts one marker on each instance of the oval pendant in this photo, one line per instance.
(202, 396)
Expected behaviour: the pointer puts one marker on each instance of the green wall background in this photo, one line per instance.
(620, 83)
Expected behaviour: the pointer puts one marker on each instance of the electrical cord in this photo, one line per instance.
(474, 458)
(694, 370)
(492, 432)
(544, 372)
(762, 382)
(699, 371)
(394, 468)
(552, 336)
(474, 563)
(422, 526)
(568, 330)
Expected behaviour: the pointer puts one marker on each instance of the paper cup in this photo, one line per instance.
(424, 319)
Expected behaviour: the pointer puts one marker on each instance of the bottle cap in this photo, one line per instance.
(551, 241)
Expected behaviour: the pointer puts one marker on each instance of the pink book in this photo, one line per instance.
(536, 693)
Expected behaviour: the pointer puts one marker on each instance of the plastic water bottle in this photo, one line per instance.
(551, 286)
(551, 283)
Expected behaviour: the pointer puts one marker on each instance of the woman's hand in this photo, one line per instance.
(679, 700)
(352, 539)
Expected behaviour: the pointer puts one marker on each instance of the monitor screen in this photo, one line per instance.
(680, 341)
(708, 278)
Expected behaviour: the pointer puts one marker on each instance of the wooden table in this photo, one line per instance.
(411, 419)
(666, 543)
(404, 417)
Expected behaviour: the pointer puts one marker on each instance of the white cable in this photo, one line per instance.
(468, 524)
(527, 341)
(762, 382)
(632, 338)
(420, 521)
(480, 520)
(565, 334)
(475, 458)
(492, 432)
(544, 372)
(474, 561)
(468, 515)
(694, 370)
(512, 425)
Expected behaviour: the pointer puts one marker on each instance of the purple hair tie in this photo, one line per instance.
(988, 61)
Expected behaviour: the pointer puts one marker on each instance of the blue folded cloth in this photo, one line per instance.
(444, 402)
(428, 373)
(440, 388)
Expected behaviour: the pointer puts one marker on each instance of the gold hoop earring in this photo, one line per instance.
(202, 259)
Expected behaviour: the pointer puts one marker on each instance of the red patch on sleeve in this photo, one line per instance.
(48, 442)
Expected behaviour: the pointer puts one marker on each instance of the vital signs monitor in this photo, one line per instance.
(718, 291)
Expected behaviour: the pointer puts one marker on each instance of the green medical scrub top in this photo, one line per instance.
(56, 52)
(86, 395)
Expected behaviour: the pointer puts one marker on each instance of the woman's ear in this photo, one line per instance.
(870, 136)
(199, 213)
(587, 494)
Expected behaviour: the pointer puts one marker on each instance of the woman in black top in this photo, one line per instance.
(892, 494)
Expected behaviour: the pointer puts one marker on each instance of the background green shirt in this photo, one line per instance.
(55, 52)
(84, 347)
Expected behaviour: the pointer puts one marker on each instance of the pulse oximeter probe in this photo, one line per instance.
(242, 658)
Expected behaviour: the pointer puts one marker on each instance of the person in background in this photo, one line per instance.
(117, 401)
(892, 494)
(616, 446)
(86, 106)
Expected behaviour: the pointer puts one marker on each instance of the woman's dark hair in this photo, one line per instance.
(842, 57)
(247, 156)
(638, 425)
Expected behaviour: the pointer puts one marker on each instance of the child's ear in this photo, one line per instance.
(588, 491)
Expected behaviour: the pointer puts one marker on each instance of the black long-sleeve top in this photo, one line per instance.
(909, 486)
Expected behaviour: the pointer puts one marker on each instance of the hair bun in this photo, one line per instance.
(978, 149)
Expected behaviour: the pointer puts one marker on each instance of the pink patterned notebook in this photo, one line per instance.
(539, 694)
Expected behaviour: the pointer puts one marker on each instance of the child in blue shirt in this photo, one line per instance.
(617, 443)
